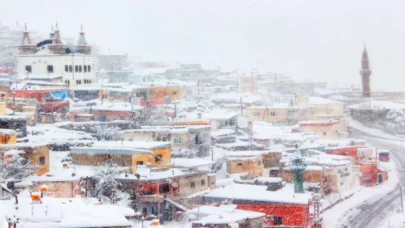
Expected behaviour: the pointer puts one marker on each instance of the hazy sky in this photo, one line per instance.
(315, 40)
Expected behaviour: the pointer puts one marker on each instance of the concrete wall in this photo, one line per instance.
(329, 132)
(59, 189)
(198, 178)
(254, 167)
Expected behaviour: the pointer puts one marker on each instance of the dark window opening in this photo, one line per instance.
(278, 221)
(66, 68)
(202, 182)
(158, 158)
(139, 163)
(85, 68)
(80, 68)
(28, 69)
(239, 165)
(49, 68)
(164, 188)
(42, 160)
(192, 184)
(88, 68)
(70, 68)
(76, 68)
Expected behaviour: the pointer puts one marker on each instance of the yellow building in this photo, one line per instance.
(325, 129)
(124, 153)
(37, 154)
(300, 108)
(248, 162)
(8, 136)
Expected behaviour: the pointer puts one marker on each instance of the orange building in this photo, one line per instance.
(36, 153)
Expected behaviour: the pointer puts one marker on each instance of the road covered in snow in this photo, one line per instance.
(374, 205)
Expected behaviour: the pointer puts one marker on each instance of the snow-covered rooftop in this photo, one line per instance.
(147, 145)
(116, 106)
(190, 162)
(321, 101)
(377, 105)
(224, 214)
(108, 150)
(257, 193)
(73, 213)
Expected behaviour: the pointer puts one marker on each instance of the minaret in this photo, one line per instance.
(56, 38)
(26, 47)
(57, 47)
(297, 166)
(52, 33)
(365, 73)
(82, 46)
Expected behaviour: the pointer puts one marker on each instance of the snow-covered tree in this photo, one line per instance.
(8, 57)
(16, 167)
(106, 182)
(395, 121)
(153, 116)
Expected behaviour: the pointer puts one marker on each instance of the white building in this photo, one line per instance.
(54, 56)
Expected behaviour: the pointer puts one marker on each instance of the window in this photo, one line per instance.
(259, 162)
(66, 68)
(28, 68)
(239, 165)
(76, 68)
(42, 160)
(273, 113)
(70, 68)
(324, 133)
(256, 113)
(278, 221)
(122, 118)
(192, 184)
(85, 68)
(175, 92)
(67, 82)
(202, 183)
(139, 163)
(177, 140)
(158, 158)
(49, 68)
(88, 68)
(80, 68)
(78, 82)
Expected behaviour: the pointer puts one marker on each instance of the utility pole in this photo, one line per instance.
(402, 203)
(212, 153)
(241, 106)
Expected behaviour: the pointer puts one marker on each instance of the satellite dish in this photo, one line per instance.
(175, 185)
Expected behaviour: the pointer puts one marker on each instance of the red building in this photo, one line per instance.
(282, 207)
(50, 100)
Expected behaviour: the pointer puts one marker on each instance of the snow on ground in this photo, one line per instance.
(395, 220)
(334, 217)
(50, 133)
(338, 214)
(372, 131)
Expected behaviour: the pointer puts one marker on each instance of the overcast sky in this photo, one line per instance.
(316, 40)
